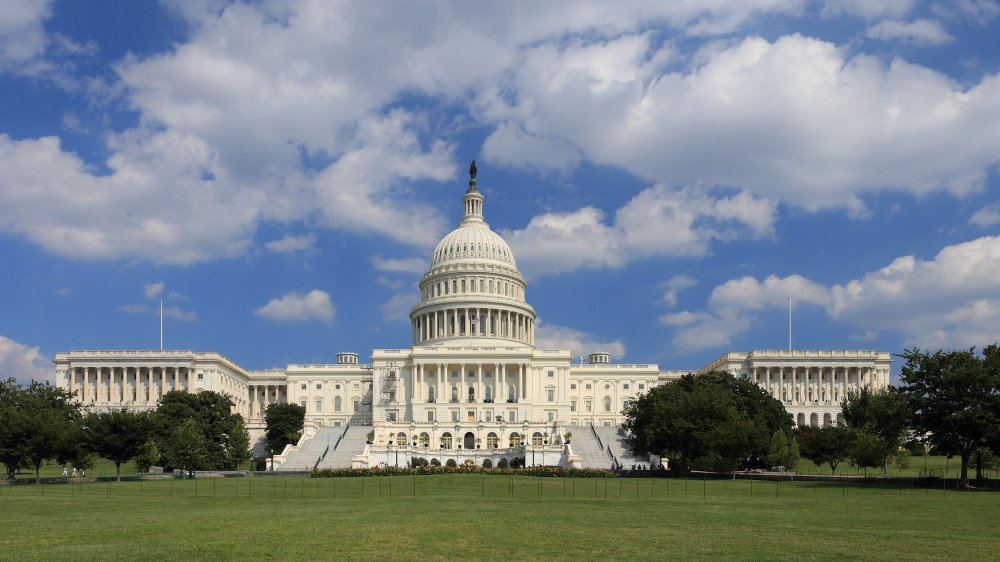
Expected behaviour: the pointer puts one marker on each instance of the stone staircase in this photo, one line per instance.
(613, 438)
(306, 456)
(586, 446)
(351, 445)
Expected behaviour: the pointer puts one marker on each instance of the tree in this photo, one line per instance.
(213, 414)
(826, 445)
(284, 422)
(882, 413)
(185, 447)
(954, 397)
(48, 426)
(784, 450)
(710, 421)
(117, 435)
(867, 449)
(237, 445)
(13, 451)
(148, 455)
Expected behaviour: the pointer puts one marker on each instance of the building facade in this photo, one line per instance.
(471, 379)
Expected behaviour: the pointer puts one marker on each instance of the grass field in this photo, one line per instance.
(473, 516)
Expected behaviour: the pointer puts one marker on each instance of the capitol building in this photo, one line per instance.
(470, 387)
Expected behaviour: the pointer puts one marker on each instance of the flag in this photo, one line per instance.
(475, 320)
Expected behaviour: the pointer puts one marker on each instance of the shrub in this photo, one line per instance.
(502, 463)
(435, 462)
(451, 462)
(487, 463)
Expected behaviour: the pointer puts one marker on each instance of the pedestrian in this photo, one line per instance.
(65, 472)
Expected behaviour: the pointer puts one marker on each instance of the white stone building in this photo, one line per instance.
(472, 385)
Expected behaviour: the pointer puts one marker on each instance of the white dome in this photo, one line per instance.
(472, 242)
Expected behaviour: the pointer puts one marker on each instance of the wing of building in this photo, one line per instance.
(471, 386)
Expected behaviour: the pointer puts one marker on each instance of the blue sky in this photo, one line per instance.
(667, 173)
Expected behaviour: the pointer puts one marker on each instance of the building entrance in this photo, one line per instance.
(469, 441)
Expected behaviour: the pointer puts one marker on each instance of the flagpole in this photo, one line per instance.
(161, 324)
(789, 299)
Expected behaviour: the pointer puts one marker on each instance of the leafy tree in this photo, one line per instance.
(882, 413)
(902, 458)
(955, 399)
(784, 450)
(826, 445)
(867, 449)
(118, 434)
(148, 455)
(213, 414)
(48, 427)
(712, 421)
(185, 447)
(13, 451)
(284, 422)
(237, 445)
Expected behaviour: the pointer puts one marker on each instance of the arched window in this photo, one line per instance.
(430, 394)
(491, 441)
(515, 439)
(489, 393)
(425, 440)
(337, 404)
(446, 440)
(454, 393)
(510, 393)
(536, 439)
(607, 403)
(472, 394)
(401, 438)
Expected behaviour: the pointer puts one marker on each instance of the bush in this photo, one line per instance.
(502, 463)
(435, 462)
(418, 461)
(451, 462)
(487, 463)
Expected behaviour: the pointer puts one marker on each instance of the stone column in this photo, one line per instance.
(524, 380)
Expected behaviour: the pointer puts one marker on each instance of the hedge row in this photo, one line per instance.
(544, 471)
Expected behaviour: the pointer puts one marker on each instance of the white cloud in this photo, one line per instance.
(980, 12)
(171, 312)
(397, 308)
(796, 121)
(22, 32)
(508, 144)
(986, 217)
(657, 222)
(921, 31)
(673, 286)
(416, 266)
(23, 363)
(299, 307)
(868, 9)
(577, 342)
(153, 290)
(290, 243)
(950, 301)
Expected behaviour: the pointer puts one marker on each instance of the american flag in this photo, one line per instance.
(475, 320)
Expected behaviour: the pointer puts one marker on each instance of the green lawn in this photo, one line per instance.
(495, 517)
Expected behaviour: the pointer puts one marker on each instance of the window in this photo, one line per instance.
(319, 405)
(588, 386)
(302, 386)
(336, 404)
(337, 387)
(430, 415)
(512, 416)
(572, 405)
(454, 374)
(536, 439)
(511, 397)
(430, 394)
(625, 386)
(201, 376)
(588, 405)
(302, 403)
(572, 386)
(552, 374)
(607, 403)
(392, 415)
(550, 394)
(446, 441)
(515, 439)
(491, 441)
(472, 394)
(454, 393)
(489, 393)
(472, 374)
(319, 386)
(607, 387)
(488, 374)
(454, 415)
(357, 405)
(641, 386)
(552, 416)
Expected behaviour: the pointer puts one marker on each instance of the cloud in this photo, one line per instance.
(22, 32)
(978, 12)
(950, 301)
(416, 266)
(577, 342)
(289, 244)
(24, 363)
(171, 312)
(673, 286)
(921, 31)
(986, 217)
(153, 290)
(867, 9)
(299, 307)
(397, 308)
(659, 221)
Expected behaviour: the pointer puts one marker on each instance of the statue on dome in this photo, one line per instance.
(472, 170)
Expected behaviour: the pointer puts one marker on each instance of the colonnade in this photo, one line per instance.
(816, 383)
(438, 376)
(136, 385)
(452, 439)
(487, 322)
(263, 395)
